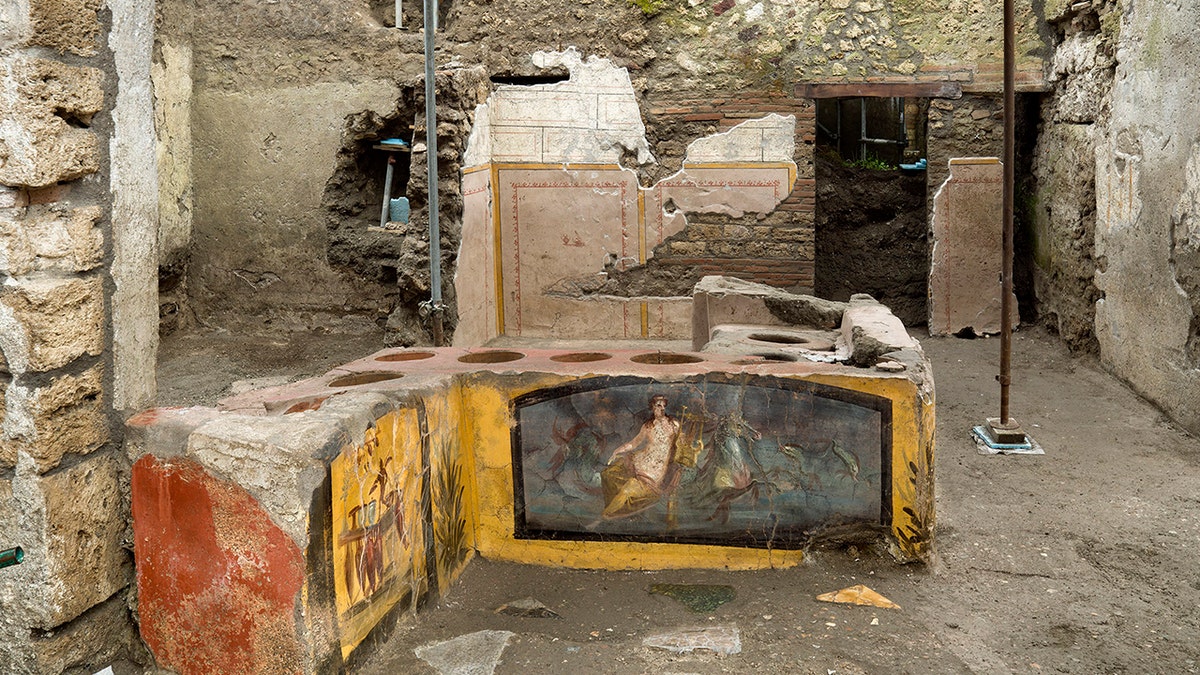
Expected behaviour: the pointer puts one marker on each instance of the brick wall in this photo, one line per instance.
(775, 248)
(61, 491)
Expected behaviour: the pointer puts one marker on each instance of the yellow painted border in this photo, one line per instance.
(497, 245)
(497, 250)
(487, 433)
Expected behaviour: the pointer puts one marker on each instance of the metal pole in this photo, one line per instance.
(12, 556)
(435, 244)
(387, 191)
(1006, 283)
(399, 15)
(862, 132)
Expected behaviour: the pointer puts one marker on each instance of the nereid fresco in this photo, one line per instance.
(764, 462)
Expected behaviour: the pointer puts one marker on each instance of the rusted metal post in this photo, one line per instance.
(1003, 433)
(1006, 284)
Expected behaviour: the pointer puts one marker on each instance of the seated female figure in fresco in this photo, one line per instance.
(641, 471)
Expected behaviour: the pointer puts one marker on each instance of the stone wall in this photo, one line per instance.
(1115, 236)
(1147, 239)
(63, 486)
(1064, 205)
(279, 230)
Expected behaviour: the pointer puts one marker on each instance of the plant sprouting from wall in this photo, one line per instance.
(649, 7)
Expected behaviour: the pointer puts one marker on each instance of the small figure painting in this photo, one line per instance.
(376, 488)
(766, 462)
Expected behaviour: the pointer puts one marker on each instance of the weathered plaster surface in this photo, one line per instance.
(134, 184)
(593, 117)
(258, 190)
(171, 74)
(1144, 249)
(564, 211)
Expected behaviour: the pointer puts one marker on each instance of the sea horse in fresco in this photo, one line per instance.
(726, 474)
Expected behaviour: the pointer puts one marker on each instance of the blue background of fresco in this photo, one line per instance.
(566, 441)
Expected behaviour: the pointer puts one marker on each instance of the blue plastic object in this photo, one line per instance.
(400, 142)
(398, 210)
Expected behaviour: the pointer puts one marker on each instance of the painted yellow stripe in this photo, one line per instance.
(497, 250)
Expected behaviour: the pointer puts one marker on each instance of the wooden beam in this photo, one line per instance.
(880, 90)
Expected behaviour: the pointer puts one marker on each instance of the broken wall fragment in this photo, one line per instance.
(968, 228)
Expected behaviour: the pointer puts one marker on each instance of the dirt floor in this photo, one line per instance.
(1084, 560)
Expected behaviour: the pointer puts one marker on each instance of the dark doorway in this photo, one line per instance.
(871, 230)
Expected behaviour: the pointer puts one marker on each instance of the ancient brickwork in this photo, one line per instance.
(775, 248)
(61, 486)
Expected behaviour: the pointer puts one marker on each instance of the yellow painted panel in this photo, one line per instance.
(378, 539)
(452, 492)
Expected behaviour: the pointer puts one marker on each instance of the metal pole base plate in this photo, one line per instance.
(990, 443)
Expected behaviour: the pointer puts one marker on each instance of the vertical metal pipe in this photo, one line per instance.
(431, 155)
(840, 147)
(399, 14)
(1006, 283)
(862, 132)
(387, 191)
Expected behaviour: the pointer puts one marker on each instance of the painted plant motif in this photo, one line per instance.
(450, 527)
(766, 462)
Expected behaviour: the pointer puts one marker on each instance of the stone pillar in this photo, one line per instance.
(964, 277)
(62, 484)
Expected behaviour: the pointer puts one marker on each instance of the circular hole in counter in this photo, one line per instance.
(356, 379)
(498, 356)
(780, 338)
(581, 357)
(665, 358)
(405, 356)
(776, 356)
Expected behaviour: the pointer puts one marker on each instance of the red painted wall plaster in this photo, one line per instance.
(218, 582)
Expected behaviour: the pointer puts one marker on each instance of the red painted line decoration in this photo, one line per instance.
(516, 228)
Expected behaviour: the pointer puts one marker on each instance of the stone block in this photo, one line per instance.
(69, 26)
(872, 331)
(277, 460)
(13, 198)
(66, 417)
(71, 524)
(90, 643)
(84, 524)
(726, 300)
(51, 322)
(51, 238)
(964, 276)
(50, 104)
